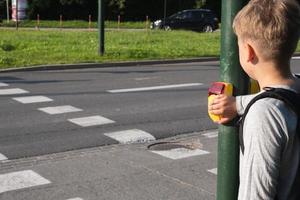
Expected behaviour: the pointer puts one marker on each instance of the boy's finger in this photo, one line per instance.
(215, 111)
(223, 120)
(215, 101)
(220, 96)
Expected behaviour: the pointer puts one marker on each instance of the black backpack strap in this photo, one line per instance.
(289, 97)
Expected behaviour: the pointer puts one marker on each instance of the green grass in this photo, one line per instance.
(29, 47)
(74, 24)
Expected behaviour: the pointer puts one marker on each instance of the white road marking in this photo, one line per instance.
(179, 153)
(154, 88)
(3, 157)
(131, 136)
(91, 121)
(33, 99)
(59, 109)
(296, 57)
(21, 180)
(145, 78)
(3, 84)
(212, 134)
(12, 91)
(213, 171)
(77, 198)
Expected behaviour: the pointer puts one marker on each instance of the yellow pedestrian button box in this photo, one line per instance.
(217, 88)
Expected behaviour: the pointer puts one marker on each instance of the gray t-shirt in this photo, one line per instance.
(270, 161)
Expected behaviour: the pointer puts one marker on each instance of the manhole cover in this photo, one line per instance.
(164, 146)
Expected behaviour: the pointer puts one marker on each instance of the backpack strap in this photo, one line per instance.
(290, 98)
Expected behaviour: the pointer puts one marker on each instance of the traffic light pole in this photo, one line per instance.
(231, 72)
(17, 14)
(165, 11)
(101, 26)
(7, 10)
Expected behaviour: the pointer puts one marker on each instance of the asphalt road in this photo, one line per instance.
(26, 130)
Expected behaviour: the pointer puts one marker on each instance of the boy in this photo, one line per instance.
(268, 32)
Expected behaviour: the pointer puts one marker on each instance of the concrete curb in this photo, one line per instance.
(106, 65)
(113, 64)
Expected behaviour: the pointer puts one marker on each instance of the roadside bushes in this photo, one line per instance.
(130, 10)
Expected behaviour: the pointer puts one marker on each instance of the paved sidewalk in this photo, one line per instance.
(180, 168)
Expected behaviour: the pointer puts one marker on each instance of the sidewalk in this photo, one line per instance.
(118, 172)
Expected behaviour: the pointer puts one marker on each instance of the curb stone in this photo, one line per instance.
(106, 65)
(112, 64)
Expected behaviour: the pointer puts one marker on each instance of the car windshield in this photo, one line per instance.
(174, 16)
(198, 15)
(181, 15)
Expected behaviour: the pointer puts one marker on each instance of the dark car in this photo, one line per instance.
(203, 20)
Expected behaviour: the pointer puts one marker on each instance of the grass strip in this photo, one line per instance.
(28, 47)
(31, 47)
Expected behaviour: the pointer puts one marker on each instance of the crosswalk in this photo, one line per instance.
(213, 171)
(33, 99)
(60, 109)
(21, 180)
(122, 136)
(91, 121)
(131, 136)
(28, 178)
(12, 91)
(180, 153)
(2, 157)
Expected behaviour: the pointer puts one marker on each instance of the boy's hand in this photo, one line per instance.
(225, 106)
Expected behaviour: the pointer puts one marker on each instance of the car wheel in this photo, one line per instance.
(207, 29)
(167, 28)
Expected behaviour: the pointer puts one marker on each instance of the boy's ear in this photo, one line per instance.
(251, 53)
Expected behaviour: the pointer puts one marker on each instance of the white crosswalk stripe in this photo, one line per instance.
(3, 157)
(77, 198)
(180, 153)
(32, 99)
(20, 180)
(12, 91)
(213, 171)
(3, 84)
(91, 121)
(211, 134)
(131, 136)
(60, 109)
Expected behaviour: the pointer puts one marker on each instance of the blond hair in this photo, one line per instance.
(273, 25)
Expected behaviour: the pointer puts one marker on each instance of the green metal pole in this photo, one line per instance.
(17, 14)
(7, 10)
(231, 72)
(165, 11)
(101, 26)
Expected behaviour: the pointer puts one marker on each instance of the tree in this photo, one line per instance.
(48, 9)
(215, 6)
(200, 3)
(133, 10)
(116, 7)
(70, 2)
(2, 9)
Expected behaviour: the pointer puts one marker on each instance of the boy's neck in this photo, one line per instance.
(269, 74)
